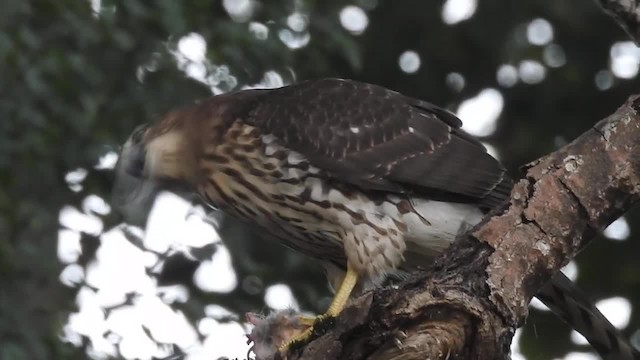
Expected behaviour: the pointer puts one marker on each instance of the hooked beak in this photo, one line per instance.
(132, 157)
(133, 194)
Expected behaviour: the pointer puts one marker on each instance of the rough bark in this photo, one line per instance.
(470, 302)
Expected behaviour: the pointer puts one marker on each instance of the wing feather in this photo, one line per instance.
(379, 139)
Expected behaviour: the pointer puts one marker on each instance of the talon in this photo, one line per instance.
(303, 336)
(338, 303)
(308, 321)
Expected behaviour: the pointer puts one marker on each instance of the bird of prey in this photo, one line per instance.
(366, 180)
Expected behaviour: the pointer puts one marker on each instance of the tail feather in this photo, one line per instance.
(568, 302)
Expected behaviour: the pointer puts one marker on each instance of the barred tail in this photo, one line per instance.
(568, 302)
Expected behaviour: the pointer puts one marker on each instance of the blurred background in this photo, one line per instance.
(77, 76)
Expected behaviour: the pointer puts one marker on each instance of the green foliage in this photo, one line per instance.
(74, 82)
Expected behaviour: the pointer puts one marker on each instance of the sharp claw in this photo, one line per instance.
(339, 300)
(308, 320)
(306, 334)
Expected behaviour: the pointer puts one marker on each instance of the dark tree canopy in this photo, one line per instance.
(76, 77)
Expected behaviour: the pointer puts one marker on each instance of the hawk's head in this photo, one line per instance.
(164, 152)
(156, 157)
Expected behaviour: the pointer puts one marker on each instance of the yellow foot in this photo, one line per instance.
(310, 322)
(338, 303)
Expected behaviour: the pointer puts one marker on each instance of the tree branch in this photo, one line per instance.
(627, 15)
(470, 302)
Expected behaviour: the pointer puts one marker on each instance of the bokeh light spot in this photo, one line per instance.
(455, 81)
(280, 297)
(625, 59)
(455, 11)
(69, 248)
(259, 30)
(578, 339)
(480, 114)
(72, 275)
(294, 40)
(618, 230)
(571, 270)
(553, 55)
(107, 161)
(193, 47)
(604, 80)
(617, 310)
(531, 71)
(581, 356)
(539, 32)
(297, 22)
(507, 75)
(73, 219)
(409, 61)
(217, 275)
(239, 10)
(354, 19)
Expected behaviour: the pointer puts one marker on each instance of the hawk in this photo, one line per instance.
(364, 179)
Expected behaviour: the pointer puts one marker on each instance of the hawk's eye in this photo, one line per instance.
(138, 134)
(133, 154)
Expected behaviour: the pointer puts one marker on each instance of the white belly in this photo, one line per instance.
(382, 236)
(436, 228)
(420, 238)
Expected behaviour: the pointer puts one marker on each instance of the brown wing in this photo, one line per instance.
(380, 140)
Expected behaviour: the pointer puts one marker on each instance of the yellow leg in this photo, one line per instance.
(337, 305)
(342, 296)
